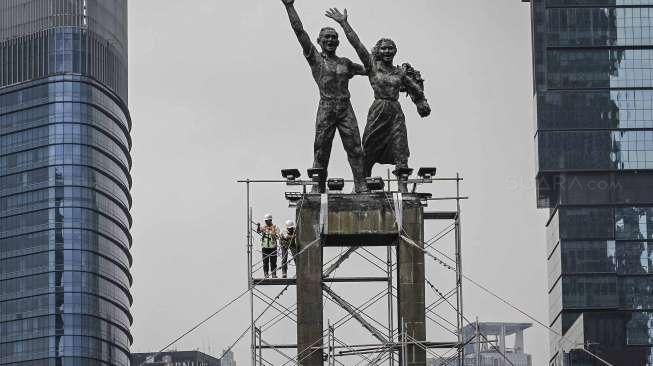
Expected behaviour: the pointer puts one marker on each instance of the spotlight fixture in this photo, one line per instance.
(290, 174)
(319, 176)
(427, 172)
(335, 184)
(402, 173)
(293, 197)
(374, 184)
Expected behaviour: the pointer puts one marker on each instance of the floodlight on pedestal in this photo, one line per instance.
(335, 184)
(427, 173)
(293, 198)
(290, 174)
(319, 176)
(424, 196)
(402, 173)
(375, 183)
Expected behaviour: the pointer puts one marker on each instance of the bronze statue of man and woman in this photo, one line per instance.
(385, 140)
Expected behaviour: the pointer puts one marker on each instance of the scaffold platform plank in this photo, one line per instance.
(293, 281)
(440, 215)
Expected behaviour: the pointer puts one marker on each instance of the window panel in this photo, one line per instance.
(595, 150)
(634, 223)
(595, 109)
(599, 68)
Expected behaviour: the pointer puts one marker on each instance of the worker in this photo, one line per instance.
(287, 240)
(269, 238)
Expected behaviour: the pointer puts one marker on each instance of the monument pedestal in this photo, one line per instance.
(345, 220)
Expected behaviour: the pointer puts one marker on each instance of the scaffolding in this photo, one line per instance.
(272, 305)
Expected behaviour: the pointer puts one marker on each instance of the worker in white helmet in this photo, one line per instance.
(288, 240)
(269, 238)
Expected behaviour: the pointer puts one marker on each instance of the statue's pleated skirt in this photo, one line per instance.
(385, 140)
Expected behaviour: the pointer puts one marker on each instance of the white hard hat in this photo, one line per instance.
(290, 224)
(268, 217)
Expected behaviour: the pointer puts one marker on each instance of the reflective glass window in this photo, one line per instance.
(598, 26)
(639, 329)
(609, 109)
(67, 175)
(586, 223)
(634, 223)
(599, 68)
(595, 150)
(590, 292)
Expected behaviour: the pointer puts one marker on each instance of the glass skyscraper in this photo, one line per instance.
(64, 183)
(593, 92)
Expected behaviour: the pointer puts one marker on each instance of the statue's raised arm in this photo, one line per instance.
(296, 23)
(362, 52)
(335, 113)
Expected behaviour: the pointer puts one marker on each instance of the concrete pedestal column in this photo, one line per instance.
(411, 287)
(309, 288)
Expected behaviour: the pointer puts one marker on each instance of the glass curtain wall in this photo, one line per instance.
(64, 184)
(593, 91)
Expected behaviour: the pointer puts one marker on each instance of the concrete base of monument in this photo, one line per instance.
(365, 219)
(369, 219)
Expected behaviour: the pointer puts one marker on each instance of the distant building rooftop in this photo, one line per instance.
(494, 328)
(489, 348)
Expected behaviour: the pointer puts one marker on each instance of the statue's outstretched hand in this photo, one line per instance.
(287, 2)
(336, 15)
(423, 108)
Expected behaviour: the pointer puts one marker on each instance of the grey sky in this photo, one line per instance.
(219, 90)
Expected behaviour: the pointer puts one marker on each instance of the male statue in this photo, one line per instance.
(332, 74)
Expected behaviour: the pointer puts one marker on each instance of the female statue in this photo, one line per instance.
(385, 140)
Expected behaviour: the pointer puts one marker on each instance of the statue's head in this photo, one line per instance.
(384, 50)
(328, 40)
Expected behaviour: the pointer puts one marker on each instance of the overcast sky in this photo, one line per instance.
(219, 91)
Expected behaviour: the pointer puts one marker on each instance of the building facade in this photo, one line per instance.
(593, 94)
(64, 183)
(176, 358)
